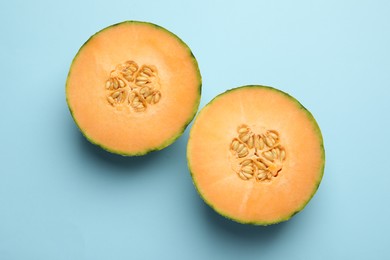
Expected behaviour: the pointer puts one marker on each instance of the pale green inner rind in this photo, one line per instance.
(320, 175)
(176, 135)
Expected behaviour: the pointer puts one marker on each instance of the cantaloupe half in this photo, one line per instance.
(256, 155)
(133, 87)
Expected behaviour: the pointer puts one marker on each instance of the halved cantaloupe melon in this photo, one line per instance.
(256, 155)
(133, 88)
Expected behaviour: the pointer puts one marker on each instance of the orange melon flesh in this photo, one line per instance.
(250, 201)
(119, 129)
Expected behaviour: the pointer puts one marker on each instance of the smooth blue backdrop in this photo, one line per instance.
(63, 198)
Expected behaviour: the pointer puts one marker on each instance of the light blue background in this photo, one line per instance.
(63, 198)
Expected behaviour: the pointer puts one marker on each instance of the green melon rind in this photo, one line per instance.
(168, 141)
(321, 173)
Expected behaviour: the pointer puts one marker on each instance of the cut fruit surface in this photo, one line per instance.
(256, 155)
(133, 87)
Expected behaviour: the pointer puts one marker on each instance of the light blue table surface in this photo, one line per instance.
(63, 198)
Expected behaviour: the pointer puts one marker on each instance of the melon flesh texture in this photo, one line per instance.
(118, 129)
(250, 201)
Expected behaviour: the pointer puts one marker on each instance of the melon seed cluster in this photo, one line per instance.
(137, 87)
(260, 156)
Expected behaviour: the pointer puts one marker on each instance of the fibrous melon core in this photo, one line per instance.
(257, 156)
(133, 86)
